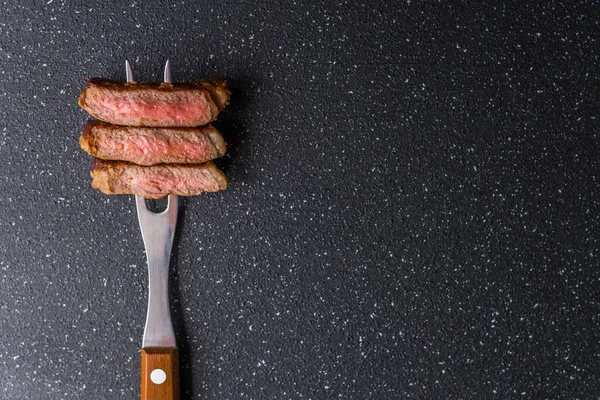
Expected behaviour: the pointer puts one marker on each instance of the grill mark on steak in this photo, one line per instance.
(157, 181)
(155, 104)
(151, 146)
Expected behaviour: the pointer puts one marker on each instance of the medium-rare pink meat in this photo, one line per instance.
(155, 104)
(150, 146)
(157, 181)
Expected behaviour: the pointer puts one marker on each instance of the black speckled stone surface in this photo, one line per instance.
(413, 208)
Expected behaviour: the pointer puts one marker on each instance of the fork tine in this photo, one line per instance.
(172, 201)
(128, 71)
(173, 206)
(167, 74)
(140, 203)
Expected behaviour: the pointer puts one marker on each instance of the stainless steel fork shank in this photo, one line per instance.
(157, 232)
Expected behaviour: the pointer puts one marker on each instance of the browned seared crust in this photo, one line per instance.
(219, 90)
(219, 86)
(157, 181)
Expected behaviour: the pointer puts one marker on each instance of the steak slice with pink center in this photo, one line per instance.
(155, 104)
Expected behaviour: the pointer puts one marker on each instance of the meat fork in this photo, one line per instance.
(160, 364)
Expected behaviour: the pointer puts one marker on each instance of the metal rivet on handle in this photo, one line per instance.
(158, 376)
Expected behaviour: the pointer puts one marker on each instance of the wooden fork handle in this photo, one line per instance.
(160, 374)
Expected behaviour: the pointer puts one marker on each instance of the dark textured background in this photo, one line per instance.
(413, 209)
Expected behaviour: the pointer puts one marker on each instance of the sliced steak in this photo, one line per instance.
(150, 146)
(155, 104)
(157, 181)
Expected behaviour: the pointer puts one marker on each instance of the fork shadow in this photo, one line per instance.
(185, 351)
(232, 125)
